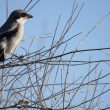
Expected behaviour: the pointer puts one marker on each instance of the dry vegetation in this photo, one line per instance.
(56, 78)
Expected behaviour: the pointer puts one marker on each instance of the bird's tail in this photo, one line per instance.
(2, 55)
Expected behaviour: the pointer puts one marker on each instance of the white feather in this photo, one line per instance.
(13, 43)
(21, 21)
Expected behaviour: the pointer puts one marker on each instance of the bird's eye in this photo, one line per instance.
(23, 14)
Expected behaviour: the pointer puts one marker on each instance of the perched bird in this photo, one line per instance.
(11, 32)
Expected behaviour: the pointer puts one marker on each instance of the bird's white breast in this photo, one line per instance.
(14, 42)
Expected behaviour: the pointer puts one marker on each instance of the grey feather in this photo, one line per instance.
(11, 32)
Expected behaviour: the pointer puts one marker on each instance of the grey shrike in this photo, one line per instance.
(11, 32)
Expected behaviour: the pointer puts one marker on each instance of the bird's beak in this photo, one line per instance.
(29, 16)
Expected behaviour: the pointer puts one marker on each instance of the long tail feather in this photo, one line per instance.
(2, 55)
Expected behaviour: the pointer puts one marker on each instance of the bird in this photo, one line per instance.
(12, 31)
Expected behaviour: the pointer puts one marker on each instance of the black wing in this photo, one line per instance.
(8, 34)
(7, 29)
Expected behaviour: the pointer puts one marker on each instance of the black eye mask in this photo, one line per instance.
(23, 14)
(17, 17)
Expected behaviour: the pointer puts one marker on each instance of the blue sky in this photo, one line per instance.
(46, 14)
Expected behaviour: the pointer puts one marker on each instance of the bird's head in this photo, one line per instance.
(19, 16)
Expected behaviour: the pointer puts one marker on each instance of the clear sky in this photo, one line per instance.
(46, 14)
